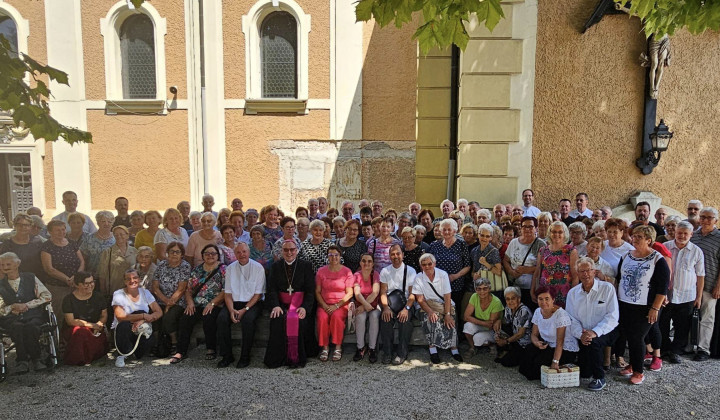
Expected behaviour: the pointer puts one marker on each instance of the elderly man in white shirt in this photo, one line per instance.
(244, 286)
(594, 304)
(685, 291)
(396, 276)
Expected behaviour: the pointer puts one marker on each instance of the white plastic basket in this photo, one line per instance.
(564, 377)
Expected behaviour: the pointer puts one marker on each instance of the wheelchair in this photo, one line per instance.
(49, 343)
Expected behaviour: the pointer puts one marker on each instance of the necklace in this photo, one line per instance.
(290, 279)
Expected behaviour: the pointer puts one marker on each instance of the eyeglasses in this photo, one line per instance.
(482, 287)
(706, 217)
(426, 264)
(210, 254)
(89, 283)
(174, 252)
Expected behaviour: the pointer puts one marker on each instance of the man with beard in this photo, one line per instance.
(642, 214)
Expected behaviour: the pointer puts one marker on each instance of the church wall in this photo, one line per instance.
(589, 111)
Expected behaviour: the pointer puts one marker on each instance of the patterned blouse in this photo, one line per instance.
(169, 278)
(315, 254)
(491, 254)
(209, 288)
(64, 259)
(263, 256)
(272, 235)
(452, 260)
(351, 255)
(520, 319)
(412, 258)
(555, 271)
(381, 252)
(91, 248)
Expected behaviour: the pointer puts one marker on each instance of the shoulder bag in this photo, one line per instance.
(396, 298)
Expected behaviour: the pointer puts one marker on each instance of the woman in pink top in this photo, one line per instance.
(333, 290)
(366, 288)
(199, 239)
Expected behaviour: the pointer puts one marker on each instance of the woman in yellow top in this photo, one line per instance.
(146, 237)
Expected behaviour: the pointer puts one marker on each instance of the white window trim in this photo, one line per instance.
(253, 74)
(110, 30)
(22, 26)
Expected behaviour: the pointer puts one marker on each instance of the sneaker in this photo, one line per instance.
(37, 365)
(469, 353)
(648, 357)
(701, 356)
(120, 361)
(597, 385)
(673, 358)
(359, 354)
(434, 358)
(627, 372)
(656, 365)
(637, 378)
(398, 361)
(372, 357)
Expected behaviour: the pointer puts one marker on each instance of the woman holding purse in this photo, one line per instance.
(487, 263)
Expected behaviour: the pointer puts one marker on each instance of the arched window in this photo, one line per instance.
(278, 54)
(137, 47)
(8, 29)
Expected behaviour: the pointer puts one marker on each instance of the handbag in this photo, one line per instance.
(527, 254)
(498, 283)
(437, 306)
(396, 298)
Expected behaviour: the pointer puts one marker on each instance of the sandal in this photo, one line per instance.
(175, 359)
(337, 355)
(211, 355)
(324, 356)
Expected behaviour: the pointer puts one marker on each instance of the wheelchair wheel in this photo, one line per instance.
(3, 363)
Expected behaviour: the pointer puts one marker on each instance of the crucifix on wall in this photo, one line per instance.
(657, 56)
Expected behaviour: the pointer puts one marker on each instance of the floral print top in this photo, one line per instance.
(555, 271)
(209, 288)
(169, 278)
(92, 247)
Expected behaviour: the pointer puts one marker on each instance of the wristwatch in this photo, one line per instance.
(212, 303)
(407, 307)
(247, 308)
(556, 361)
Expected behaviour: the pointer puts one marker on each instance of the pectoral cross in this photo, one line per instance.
(290, 289)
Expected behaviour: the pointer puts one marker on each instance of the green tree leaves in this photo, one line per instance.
(444, 20)
(662, 17)
(27, 104)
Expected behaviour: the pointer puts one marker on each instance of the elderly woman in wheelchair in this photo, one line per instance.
(24, 315)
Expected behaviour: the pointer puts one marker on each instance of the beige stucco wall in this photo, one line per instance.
(144, 158)
(252, 170)
(389, 82)
(589, 111)
(174, 13)
(318, 50)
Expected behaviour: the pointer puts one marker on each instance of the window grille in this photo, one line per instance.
(137, 47)
(278, 55)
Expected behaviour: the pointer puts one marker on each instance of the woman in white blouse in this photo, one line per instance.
(432, 289)
(553, 343)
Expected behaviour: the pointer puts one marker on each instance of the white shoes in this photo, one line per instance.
(120, 361)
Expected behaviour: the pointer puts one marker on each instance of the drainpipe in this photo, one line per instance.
(203, 99)
(454, 105)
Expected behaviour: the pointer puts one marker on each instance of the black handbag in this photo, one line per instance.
(396, 298)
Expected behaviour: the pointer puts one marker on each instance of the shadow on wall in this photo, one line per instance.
(376, 159)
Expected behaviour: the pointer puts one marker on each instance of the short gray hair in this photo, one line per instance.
(105, 214)
(338, 219)
(578, 226)
(698, 202)
(419, 228)
(712, 210)
(449, 222)
(145, 248)
(480, 281)
(442, 203)
(566, 231)
(194, 213)
(673, 219)
(685, 225)
(585, 260)
(317, 223)
(209, 214)
(486, 212)
(427, 256)
(37, 221)
(545, 215)
(463, 201)
(485, 227)
(512, 289)
(10, 256)
(600, 224)
(408, 229)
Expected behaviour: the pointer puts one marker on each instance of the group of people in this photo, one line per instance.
(531, 287)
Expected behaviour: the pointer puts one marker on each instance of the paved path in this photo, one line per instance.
(479, 389)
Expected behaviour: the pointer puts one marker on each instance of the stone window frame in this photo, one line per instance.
(254, 102)
(110, 30)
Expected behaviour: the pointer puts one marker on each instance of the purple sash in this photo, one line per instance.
(292, 323)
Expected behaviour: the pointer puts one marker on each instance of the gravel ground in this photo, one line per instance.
(480, 388)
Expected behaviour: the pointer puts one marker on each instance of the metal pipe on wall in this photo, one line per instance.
(454, 106)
